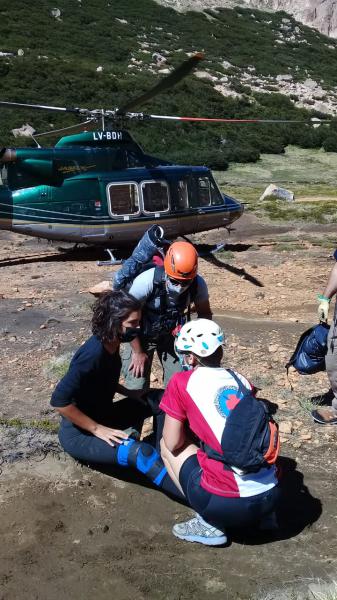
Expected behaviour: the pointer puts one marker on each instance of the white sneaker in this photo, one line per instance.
(197, 530)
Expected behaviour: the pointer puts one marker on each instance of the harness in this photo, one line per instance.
(164, 318)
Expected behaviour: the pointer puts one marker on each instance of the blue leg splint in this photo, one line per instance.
(144, 458)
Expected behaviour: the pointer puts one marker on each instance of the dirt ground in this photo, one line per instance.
(69, 531)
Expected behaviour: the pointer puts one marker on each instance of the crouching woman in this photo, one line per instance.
(92, 425)
(197, 402)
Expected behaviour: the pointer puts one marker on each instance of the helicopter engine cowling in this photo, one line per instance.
(41, 168)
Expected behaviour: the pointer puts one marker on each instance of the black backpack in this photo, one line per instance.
(310, 351)
(166, 318)
(250, 439)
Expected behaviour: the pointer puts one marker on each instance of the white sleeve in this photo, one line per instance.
(142, 286)
(202, 290)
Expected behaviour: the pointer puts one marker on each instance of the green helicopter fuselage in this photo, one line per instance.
(101, 188)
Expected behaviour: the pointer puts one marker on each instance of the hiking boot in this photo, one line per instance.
(325, 416)
(197, 530)
(325, 398)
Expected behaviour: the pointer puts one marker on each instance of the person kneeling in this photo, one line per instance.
(197, 403)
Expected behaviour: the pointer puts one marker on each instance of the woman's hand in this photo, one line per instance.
(109, 435)
(137, 365)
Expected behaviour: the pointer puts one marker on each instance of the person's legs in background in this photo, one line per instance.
(328, 415)
(168, 358)
(131, 382)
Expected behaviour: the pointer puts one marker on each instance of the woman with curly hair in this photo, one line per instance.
(92, 425)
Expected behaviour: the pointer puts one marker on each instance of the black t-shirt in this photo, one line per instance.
(91, 380)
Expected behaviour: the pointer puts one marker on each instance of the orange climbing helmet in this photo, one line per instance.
(181, 261)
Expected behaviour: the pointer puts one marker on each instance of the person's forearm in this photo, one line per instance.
(205, 315)
(174, 441)
(76, 416)
(136, 346)
(331, 286)
(203, 310)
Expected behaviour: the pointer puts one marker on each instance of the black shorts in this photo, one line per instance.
(220, 511)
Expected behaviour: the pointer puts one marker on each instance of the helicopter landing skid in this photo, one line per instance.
(216, 248)
(109, 263)
(206, 249)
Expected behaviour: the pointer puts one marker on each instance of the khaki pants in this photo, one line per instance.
(331, 358)
(164, 347)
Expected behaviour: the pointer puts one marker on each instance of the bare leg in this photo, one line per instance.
(174, 461)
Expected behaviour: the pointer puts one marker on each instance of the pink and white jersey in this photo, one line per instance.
(204, 397)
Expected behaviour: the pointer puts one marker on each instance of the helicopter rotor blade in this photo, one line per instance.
(41, 107)
(315, 122)
(179, 73)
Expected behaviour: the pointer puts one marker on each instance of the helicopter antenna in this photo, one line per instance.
(84, 126)
(36, 142)
(103, 120)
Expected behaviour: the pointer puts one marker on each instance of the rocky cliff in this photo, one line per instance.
(321, 14)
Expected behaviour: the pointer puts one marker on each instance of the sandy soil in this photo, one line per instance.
(67, 530)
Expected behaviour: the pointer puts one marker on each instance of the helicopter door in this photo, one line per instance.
(123, 205)
(187, 218)
(156, 203)
(206, 196)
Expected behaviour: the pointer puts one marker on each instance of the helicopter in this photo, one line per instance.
(98, 187)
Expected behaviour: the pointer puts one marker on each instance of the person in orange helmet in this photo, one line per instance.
(166, 293)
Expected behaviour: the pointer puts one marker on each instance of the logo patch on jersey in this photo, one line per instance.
(225, 400)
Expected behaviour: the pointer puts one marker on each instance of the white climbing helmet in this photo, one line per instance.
(201, 337)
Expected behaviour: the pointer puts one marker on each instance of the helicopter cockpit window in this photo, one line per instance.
(216, 196)
(123, 199)
(155, 196)
(205, 193)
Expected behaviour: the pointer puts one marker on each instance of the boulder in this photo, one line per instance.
(55, 12)
(25, 131)
(272, 191)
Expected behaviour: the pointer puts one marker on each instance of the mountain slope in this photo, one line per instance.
(94, 53)
(320, 14)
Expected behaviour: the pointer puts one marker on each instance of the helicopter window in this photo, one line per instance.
(182, 194)
(3, 176)
(155, 196)
(204, 191)
(123, 199)
(216, 195)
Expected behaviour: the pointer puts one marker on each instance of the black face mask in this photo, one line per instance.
(129, 334)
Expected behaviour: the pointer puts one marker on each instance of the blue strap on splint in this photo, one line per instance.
(123, 453)
(144, 458)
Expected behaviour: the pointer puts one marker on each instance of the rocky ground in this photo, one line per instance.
(68, 530)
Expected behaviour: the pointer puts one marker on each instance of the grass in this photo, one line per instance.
(308, 405)
(58, 365)
(42, 424)
(328, 592)
(226, 254)
(288, 247)
(310, 174)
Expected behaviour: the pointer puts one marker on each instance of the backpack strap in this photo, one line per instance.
(159, 289)
(242, 388)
